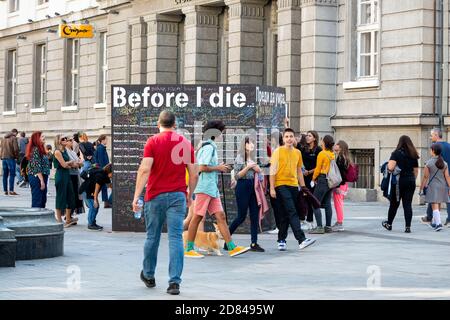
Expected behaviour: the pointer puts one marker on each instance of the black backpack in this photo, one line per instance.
(89, 179)
(91, 172)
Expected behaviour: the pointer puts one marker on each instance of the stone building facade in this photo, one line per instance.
(367, 71)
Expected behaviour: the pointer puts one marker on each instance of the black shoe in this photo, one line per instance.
(95, 227)
(386, 225)
(174, 288)
(150, 283)
(225, 247)
(328, 229)
(98, 226)
(408, 230)
(255, 247)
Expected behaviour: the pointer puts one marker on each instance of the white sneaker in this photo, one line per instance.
(274, 231)
(282, 246)
(306, 226)
(307, 242)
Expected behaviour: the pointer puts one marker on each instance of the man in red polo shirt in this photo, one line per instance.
(163, 170)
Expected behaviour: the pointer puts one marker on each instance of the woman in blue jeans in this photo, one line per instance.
(38, 169)
(245, 169)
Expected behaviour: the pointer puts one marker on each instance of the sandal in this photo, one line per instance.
(386, 225)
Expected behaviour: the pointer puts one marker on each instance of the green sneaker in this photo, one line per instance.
(317, 230)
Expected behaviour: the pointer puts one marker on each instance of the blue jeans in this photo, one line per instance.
(323, 193)
(105, 193)
(92, 214)
(38, 196)
(430, 212)
(246, 199)
(9, 169)
(19, 176)
(170, 205)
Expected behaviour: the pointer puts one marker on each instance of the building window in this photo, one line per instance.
(102, 68)
(270, 44)
(365, 159)
(368, 30)
(129, 48)
(274, 69)
(40, 76)
(11, 86)
(13, 5)
(223, 45)
(180, 53)
(72, 72)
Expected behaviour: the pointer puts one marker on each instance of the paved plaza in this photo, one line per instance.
(363, 262)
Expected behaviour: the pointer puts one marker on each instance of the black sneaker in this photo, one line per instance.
(94, 227)
(386, 225)
(150, 283)
(328, 229)
(174, 288)
(98, 226)
(408, 230)
(255, 247)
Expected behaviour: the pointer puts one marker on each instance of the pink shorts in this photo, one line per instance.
(204, 202)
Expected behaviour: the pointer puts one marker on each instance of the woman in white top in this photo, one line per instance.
(75, 177)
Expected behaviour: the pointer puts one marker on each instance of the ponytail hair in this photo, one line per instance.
(437, 150)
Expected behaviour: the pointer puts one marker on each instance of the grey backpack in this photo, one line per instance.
(334, 175)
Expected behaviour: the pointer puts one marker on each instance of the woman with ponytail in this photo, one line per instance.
(343, 161)
(436, 181)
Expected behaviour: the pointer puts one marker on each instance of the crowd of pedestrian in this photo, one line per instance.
(305, 173)
(81, 171)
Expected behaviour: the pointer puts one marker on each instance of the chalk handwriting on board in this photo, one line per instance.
(132, 124)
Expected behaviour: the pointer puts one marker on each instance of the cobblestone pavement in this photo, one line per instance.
(363, 262)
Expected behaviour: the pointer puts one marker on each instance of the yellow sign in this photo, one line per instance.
(76, 31)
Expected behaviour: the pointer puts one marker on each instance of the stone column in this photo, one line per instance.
(162, 48)
(289, 41)
(246, 41)
(318, 64)
(201, 47)
(138, 51)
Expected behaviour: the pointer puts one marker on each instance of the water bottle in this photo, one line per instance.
(138, 214)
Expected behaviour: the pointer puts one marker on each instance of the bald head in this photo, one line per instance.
(166, 119)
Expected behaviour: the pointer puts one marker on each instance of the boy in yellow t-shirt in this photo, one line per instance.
(285, 177)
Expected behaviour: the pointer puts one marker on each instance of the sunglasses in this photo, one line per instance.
(63, 139)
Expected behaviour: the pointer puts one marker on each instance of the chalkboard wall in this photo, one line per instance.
(258, 111)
